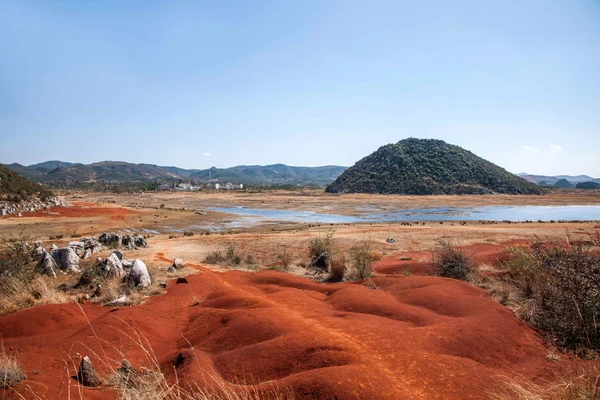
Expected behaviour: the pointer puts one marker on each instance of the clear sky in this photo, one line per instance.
(307, 82)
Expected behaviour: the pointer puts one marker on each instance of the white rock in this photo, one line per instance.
(139, 275)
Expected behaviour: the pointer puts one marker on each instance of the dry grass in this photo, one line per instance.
(18, 294)
(575, 387)
(11, 371)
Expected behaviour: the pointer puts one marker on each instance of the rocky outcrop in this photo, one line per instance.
(66, 259)
(9, 208)
(47, 265)
(39, 248)
(113, 266)
(139, 276)
(129, 242)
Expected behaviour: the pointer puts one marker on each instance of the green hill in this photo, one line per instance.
(14, 187)
(428, 166)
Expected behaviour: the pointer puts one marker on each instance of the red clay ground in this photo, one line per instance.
(79, 210)
(396, 337)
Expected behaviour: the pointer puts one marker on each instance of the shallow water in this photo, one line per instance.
(488, 213)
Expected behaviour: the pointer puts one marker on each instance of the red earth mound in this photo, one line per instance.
(401, 337)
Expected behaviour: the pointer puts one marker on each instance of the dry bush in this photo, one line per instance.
(559, 284)
(450, 261)
(284, 257)
(361, 260)
(320, 250)
(11, 371)
(337, 268)
(231, 256)
(214, 257)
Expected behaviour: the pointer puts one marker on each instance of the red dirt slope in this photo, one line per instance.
(412, 337)
(419, 262)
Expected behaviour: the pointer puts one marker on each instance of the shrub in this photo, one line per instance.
(337, 268)
(214, 257)
(319, 251)
(361, 259)
(451, 262)
(188, 233)
(284, 257)
(231, 257)
(560, 283)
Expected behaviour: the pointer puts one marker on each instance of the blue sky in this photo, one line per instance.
(308, 82)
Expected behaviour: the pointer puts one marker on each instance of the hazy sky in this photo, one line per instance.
(307, 82)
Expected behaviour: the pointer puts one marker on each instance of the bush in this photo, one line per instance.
(337, 268)
(560, 283)
(188, 233)
(451, 262)
(214, 257)
(17, 259)
(361, 259)
(319, 251)
(231, 257)
(284, 257)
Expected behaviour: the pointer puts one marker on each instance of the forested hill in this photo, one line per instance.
(14, 187)
(428, 166)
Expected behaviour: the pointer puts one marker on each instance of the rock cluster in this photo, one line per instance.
(129, 242)
(8, 208)
(65, 260)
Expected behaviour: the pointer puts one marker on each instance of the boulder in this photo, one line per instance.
(87, 254)
(113, 265)
(87, 375)
(139, 275)
(178, 263)
(66, 259)
(122, 300)
(47, 265)
(128, 375)
(39, 248)
(78, 247)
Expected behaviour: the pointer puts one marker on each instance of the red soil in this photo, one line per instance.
(405, 337)
(419, 262)
(81, 210)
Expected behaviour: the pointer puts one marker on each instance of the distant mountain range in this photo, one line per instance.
(551, 180)
(65, 173)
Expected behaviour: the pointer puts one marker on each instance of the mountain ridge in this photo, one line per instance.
(65, 173)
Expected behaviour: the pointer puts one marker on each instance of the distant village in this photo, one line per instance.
(196, 186)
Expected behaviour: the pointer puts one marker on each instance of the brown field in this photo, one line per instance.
(399, 335)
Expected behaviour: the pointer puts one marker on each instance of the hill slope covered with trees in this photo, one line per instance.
(428, 166)
(14, 187)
